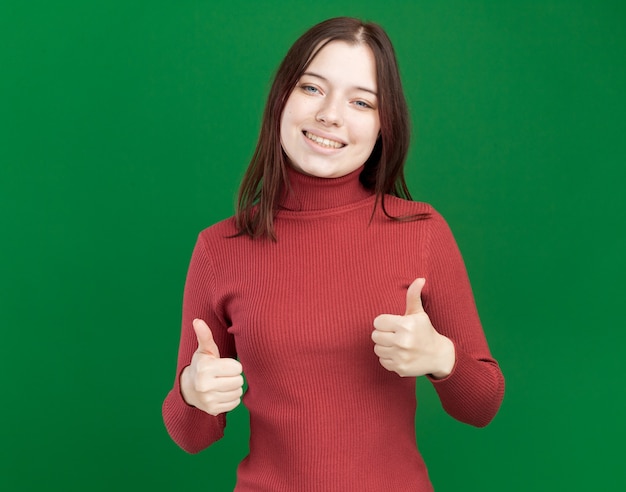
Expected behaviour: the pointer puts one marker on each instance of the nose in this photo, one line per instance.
(329, 113)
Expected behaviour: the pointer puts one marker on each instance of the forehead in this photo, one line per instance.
(345, 62)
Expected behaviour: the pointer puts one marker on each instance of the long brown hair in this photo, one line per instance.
(383, 172)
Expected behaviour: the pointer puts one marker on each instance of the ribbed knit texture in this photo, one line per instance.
(298, 313)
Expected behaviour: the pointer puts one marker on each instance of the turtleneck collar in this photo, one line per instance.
(310, 193)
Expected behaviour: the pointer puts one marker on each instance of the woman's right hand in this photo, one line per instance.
(212, 384)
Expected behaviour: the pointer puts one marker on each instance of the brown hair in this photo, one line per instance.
(383, 172)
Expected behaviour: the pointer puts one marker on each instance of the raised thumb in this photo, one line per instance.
(414, 297)
(206, 344)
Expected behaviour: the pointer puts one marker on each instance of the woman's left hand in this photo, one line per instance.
(409, 345)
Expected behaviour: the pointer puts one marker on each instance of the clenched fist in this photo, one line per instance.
(409, 345)
(210, 383)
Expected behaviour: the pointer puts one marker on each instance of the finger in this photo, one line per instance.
(386, 322)
(387, 364)
(227, 368)
(228, 396)
(218, 385)
(414, 297)
(383, 338)
(217, 367)
(224, 407)
(206, 343)
(383, 352)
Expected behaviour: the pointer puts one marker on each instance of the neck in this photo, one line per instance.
(304, 192)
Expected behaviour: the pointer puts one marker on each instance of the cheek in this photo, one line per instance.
(376, 127)
(370, 135)
(288, 121)
(366, 130)
(285, 124)
(288, 133)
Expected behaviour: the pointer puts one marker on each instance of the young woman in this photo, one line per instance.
(329, 289)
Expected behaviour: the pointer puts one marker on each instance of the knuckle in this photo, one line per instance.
(208, 398)
(204, 364)
(231, 405)
(400, 369)
(231, 366)
(402, 342)
(407, 325)
(205, 384)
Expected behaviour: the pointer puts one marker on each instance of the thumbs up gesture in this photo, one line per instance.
(409, 345)
(210, 383)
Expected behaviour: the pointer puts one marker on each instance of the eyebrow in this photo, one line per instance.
(326, 80)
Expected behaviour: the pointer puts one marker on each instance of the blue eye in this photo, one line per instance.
(310, 89)
(362, 104)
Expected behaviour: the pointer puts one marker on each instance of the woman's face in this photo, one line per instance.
(330, 122)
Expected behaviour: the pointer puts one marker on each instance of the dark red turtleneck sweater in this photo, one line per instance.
(297, 313)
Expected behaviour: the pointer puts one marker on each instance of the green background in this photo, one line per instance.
(125, 129)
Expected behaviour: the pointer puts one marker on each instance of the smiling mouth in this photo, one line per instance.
(324, 142)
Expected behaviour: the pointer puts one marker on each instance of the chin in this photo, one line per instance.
(323, 171)
(325, 174)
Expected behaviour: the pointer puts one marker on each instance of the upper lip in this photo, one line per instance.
(323, 134)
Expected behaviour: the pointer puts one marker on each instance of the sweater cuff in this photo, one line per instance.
(465, 369)
(473, 391)
(192, 429)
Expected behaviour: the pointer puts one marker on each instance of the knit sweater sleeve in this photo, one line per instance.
(192, 429)
(473, 392)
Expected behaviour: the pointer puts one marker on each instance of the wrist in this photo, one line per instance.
(185, 386)
(446, 359)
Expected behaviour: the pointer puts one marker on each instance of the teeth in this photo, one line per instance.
(324, 142)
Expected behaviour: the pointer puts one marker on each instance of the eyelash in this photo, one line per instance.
(310, 89)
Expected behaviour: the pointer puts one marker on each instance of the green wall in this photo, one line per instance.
(125, 129)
